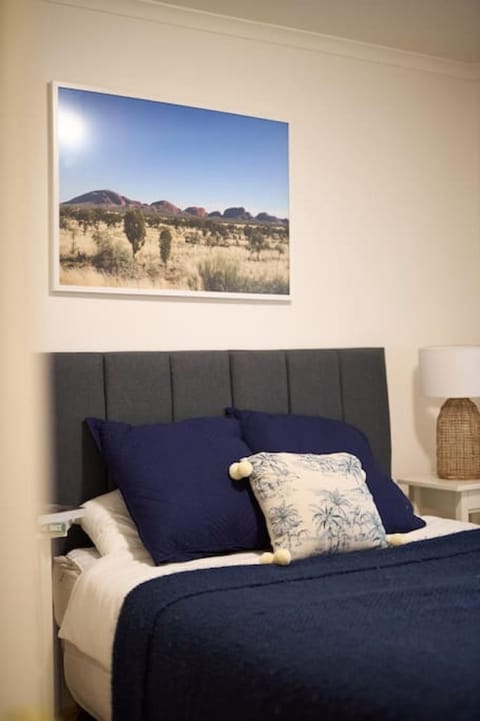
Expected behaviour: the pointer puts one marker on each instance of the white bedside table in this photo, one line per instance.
(58, 523)
(449, 499)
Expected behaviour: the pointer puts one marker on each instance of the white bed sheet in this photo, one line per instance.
(66, 572)
(91, 616)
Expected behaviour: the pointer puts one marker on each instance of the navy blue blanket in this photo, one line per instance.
(387, 635)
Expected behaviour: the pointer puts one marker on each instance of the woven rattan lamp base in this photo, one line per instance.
(458, 440)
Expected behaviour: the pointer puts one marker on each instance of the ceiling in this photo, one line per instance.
(443, 28)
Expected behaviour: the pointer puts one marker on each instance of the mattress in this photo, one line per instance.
(89, 622)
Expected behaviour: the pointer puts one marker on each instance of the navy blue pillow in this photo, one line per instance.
(174, 479)
(276, 432)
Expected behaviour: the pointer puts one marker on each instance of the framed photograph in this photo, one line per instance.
(155, 198)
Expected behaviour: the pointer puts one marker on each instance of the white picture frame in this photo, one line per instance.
(158, 199)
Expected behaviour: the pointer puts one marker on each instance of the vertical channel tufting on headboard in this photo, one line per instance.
(200, 383)
(77, 390)
(138, 387)
(314, 383)
(365, 398)
(260, 380)
(161, 386)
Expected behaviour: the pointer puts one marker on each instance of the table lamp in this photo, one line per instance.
(453, 372)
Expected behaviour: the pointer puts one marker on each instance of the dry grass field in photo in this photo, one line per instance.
(129, 250)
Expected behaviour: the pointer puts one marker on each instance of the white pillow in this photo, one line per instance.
(316, 504)
(109, 525)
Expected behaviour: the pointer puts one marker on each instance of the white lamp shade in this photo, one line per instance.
(450, 371)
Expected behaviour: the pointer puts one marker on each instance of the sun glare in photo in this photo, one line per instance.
(72, 129)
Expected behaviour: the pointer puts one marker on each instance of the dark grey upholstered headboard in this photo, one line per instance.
(158, 387)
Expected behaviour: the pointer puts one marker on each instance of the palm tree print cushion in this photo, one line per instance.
(316, 504)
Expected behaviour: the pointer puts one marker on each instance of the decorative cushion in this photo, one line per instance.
(278, 432)
(109, 525)
(316, 503)
(174, 480)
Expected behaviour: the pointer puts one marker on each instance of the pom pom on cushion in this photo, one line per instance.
(242, 469)
(395, 539)
(266, 557)
(282, 557)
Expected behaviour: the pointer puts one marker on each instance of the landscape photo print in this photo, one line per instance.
(162, 199)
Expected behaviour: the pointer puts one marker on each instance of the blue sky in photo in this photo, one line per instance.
(150, 151)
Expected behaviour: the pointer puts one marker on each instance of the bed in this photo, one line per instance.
(189, 618)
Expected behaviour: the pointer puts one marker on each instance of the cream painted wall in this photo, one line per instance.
(384, 173)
